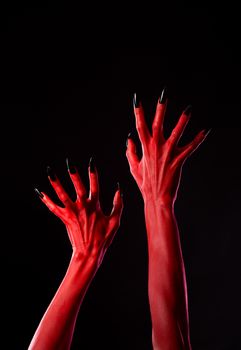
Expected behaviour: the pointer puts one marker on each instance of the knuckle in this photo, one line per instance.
(139, 126)
(155, 127)
(173, 134)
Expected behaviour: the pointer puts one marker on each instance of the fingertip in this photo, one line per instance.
(40, 194)
(71, 168)
(131, 145)
(51, 174)
(92, 167)
(187, 111)
(118, 197)
(119, 190)
(136, 101)
(163, 97)
(202, 135)
(199, 139)
(128, 138)
(207, 132)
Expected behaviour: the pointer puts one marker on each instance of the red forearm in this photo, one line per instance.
(56, 328)
(166, 279)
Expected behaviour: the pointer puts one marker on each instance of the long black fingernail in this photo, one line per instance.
(206, 132)
(51, 174)
(92, 165)
(128, 137)
(163, 96)
(187, 111)
(70, 167)
(136, 101)
(38, 193)
(119, 189)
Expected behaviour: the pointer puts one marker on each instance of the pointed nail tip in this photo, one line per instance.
(70, 167)
(188, 110)
(128, 137)
(92, 164)
(163, 97)
(48, 169)
(51, 174)
(207, 131)
(38, 192)
(136, 102)
(119, 189)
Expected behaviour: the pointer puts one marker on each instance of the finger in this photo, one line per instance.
(141, 126)
(61, 193)
(116, 212)
(180, 127)
(54, 208)
(131, 154)
(192, 146)
(94, 183)
(133, 160)
(77, 182)
(157, 125)
(117, 203)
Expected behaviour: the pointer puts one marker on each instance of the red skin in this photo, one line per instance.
(157, 175)
(90, 233)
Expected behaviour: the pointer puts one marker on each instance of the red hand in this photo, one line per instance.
(158, 172)
(90, 233)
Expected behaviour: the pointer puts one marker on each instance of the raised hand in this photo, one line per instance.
(89, 230)
(90, 233)
(158, 172)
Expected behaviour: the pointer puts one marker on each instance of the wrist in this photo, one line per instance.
(85, 260)
(160, 202)
(160, 222)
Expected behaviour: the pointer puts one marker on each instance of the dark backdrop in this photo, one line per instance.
(68, 76)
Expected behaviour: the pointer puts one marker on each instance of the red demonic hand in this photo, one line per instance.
(90, 233)
(89, 230)
(158, 172)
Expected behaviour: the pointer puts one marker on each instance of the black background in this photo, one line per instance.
(68, 75)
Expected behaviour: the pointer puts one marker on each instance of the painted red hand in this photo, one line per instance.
(158, 172)
(89, 230)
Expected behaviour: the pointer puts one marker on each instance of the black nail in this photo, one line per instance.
(92, 165)
(187, 111)
(206, 132)
(136, 101)
(38, 193)
(163, 96)
(70, 167)
(119, 189)
(128, 137)
(51, 174)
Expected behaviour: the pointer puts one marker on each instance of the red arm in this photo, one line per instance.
(158, 174)
(90, 233)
